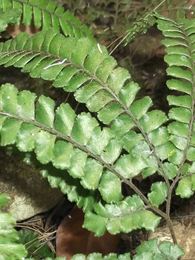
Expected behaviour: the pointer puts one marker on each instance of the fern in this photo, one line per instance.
(10, 248)
(44, 14)
(179, 44)
(96, 80)
(121, 137)
(61, 138)
(64, 133)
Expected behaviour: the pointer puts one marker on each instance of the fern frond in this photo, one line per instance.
(45, 14)
(60, 138)
(98, 82)
(129, 214)
(180, 48)
(10, 247)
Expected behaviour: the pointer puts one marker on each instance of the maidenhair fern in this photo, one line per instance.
(121, 137)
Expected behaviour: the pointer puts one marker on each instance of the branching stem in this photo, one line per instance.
(110, 167)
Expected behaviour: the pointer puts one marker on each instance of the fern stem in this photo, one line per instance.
(116, 12)
(155, 209)
(172, 232)
(170, 192)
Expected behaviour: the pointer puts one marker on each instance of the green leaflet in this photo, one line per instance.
(180, 114)
(98, 256)
(140, 107)
(95, 222)
(130, 140)
(158, 193)
(44, 14)
(159, 136)
(110, 187)
(45, 111)
(154, 249)
(180, 101)
(10, 247)
(83, 122)
(186, 186)
(170, 170)
(153, 120)
(129, 166)
(128, 93)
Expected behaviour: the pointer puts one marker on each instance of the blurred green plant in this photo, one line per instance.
(10, 245)
(36, 247)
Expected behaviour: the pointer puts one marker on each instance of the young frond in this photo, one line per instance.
(180, 47)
